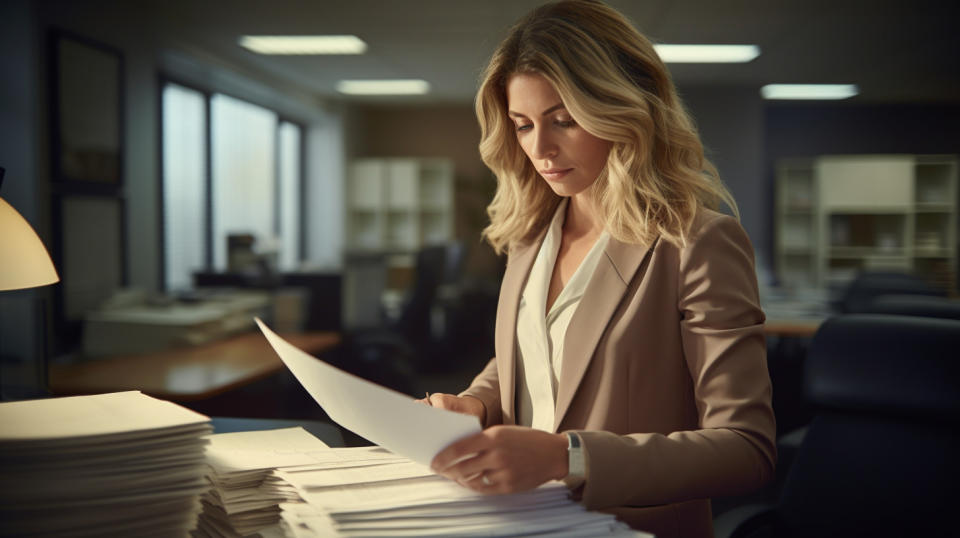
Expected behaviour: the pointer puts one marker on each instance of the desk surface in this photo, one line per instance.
(185, 374)
(792, 327)
(795, 317)
(325, 431)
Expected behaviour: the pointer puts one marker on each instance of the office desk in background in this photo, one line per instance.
(185, 374)
(795, 317)
(785, 327)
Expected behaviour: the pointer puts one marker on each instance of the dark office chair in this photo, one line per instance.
(880, 457)
(414, 322)
(916, 305)
(869, 285)
(392, 354)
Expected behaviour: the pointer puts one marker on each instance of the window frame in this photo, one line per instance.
(163, 79)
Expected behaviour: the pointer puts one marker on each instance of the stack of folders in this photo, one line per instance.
(370, 492)
(244, 499)
(121, 464)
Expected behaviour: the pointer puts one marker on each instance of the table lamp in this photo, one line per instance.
(24, 262)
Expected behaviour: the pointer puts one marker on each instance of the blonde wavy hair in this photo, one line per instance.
(615, 86)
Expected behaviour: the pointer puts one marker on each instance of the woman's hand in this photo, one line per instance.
(504, 459)
(468, 405)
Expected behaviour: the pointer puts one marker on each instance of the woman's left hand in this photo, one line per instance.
(504, 459)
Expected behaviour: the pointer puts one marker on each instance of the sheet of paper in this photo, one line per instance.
(390, 419)
(401, 492)
(342, 458)
(374, 474)
(556, 522)
(101, 414)
(242, 451)
(439, 506)
(550, 518)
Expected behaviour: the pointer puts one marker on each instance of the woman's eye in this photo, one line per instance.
(522, 128)
(565, 124)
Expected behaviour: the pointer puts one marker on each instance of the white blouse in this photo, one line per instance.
(539, 336)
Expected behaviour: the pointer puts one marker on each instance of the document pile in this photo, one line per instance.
(121, 464)
(373, 492)
(245, 497)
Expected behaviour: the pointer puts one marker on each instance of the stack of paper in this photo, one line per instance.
(111, 464)
(396, 497)
(374, 493)
(245, 498)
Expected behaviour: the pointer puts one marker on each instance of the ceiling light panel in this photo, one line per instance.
(707, 54)
(383, 87)
(809, 91)
(303, 44)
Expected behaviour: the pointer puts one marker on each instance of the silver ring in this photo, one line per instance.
(486, 481)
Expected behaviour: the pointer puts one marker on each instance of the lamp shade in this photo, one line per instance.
(24, 262)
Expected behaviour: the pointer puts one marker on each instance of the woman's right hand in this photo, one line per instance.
(468, 405)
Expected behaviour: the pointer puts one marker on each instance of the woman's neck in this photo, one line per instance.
(581, 219)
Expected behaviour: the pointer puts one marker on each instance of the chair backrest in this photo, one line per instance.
(436, 265)
(916, 305)
(869, 285)
(881, 456)
(456, 254)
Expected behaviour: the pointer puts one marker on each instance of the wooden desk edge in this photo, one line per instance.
(792, 328)
(62, 388)
(60, 375)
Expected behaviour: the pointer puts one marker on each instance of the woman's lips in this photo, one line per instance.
(554, 174)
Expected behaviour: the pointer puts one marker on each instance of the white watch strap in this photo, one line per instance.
(575, 461)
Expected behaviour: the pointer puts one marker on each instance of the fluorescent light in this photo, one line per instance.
(707, 54)
(383, 87)
(303, 44)
(809, 91)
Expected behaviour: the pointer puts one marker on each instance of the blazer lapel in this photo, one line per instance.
(600, 300)
(515, 276)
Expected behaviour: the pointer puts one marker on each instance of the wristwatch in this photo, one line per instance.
(575, 462)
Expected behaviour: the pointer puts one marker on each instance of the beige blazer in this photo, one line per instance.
(664, 376)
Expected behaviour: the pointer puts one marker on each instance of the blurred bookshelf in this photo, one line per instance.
(839, 215)
(399, 204)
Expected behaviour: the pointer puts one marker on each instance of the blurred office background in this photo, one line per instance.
(183, 183)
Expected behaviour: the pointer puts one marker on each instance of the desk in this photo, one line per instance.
(795, 317)
(792, 327)
(187, 374)
(325, 431)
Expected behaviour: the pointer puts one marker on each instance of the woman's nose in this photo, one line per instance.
(543, 145)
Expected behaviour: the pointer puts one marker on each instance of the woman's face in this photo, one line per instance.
(567, 157)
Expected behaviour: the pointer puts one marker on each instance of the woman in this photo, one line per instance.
(630, 355)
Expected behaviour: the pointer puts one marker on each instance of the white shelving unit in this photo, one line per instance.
(399, 204)
(797, 231)
(838, 215)
(395, 206)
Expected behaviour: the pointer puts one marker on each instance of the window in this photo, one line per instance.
(252, 185)
(184, 185)
(290, 195)
(244, 186)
